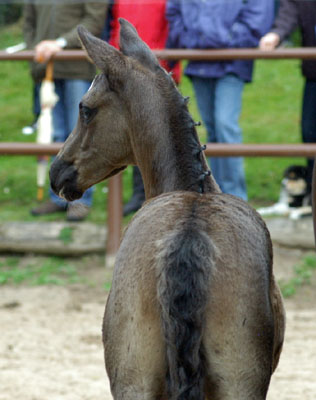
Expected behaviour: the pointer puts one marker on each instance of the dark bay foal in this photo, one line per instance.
(194, 311)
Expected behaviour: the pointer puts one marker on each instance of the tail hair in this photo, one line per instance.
(182, 293)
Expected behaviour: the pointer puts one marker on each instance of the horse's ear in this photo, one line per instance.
(103, 55)
(131, 45)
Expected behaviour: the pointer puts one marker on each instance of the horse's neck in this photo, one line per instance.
(173, 160)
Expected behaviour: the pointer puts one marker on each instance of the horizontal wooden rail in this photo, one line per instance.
(212, 149)
(238, 54)
(306, 53)
(29, 149)
(261, 150)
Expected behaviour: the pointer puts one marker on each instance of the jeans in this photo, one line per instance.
(219, 101)
(65, 115)
(309, 121)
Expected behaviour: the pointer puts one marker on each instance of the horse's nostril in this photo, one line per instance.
(63, 179)
(54, 172)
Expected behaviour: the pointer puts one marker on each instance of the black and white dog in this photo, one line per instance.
(295, 198)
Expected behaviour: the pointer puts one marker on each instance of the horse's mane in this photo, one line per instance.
(188, 150)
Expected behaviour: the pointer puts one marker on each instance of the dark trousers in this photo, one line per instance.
(36, 100)
(309, 120)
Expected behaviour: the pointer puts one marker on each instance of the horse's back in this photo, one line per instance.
(239, 328)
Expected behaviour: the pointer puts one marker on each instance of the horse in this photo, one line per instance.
(194, 311)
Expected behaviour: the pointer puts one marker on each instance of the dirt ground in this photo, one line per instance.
(50, 340)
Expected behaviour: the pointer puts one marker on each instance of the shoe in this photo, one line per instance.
(77, 212)
(30, 129)
(48, 207)
(138, 197)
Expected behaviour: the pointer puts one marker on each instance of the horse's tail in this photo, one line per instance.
(183, 280)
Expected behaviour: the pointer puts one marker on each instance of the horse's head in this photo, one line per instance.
(101, 144)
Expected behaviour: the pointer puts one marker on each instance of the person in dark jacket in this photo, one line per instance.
(302, 14)
(152, 26)
(48, 28)
(219, 85)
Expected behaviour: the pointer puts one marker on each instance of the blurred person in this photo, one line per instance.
(152, 26)
(49, 28)
(36, 108)
(218, 85)
(299, 14)
(105, 35)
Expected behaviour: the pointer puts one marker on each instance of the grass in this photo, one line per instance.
(66, 235)
(38, 270)
(302, 276)
(49, 271)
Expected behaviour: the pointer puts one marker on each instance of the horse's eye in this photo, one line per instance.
(86, 113)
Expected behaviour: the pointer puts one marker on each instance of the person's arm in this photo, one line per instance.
(178, 36)
(287, 19)
(253, 21)
(29, 24)
(94, 20)
(284, 25)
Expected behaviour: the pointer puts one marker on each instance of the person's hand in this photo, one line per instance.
(269, 41)
(46, 49)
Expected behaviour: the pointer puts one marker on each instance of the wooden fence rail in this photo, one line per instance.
(216, 149)
(212, 149)
(307, 53)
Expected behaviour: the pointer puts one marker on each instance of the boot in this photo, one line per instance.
(138, 196)
(48, 207)
(77, 212)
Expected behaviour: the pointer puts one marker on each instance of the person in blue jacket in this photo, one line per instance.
(218, 86)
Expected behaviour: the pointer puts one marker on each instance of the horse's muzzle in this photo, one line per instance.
(63, 179)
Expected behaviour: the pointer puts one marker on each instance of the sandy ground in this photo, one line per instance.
(50, 341)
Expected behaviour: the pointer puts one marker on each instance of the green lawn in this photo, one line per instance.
(271, 114)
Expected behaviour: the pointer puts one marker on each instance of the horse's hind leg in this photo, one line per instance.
(136, 368)
(133, 392)
(279, 321)
(134, 347)
(227, 393)
(240, 372)
(138, 372)
(253, 386)
(242, 382)
(239, 345)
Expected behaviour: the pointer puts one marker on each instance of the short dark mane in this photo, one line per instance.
(187, 146)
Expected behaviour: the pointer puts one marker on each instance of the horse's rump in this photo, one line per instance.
(186, 291)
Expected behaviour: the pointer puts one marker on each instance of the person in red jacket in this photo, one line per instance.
(152, 26)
